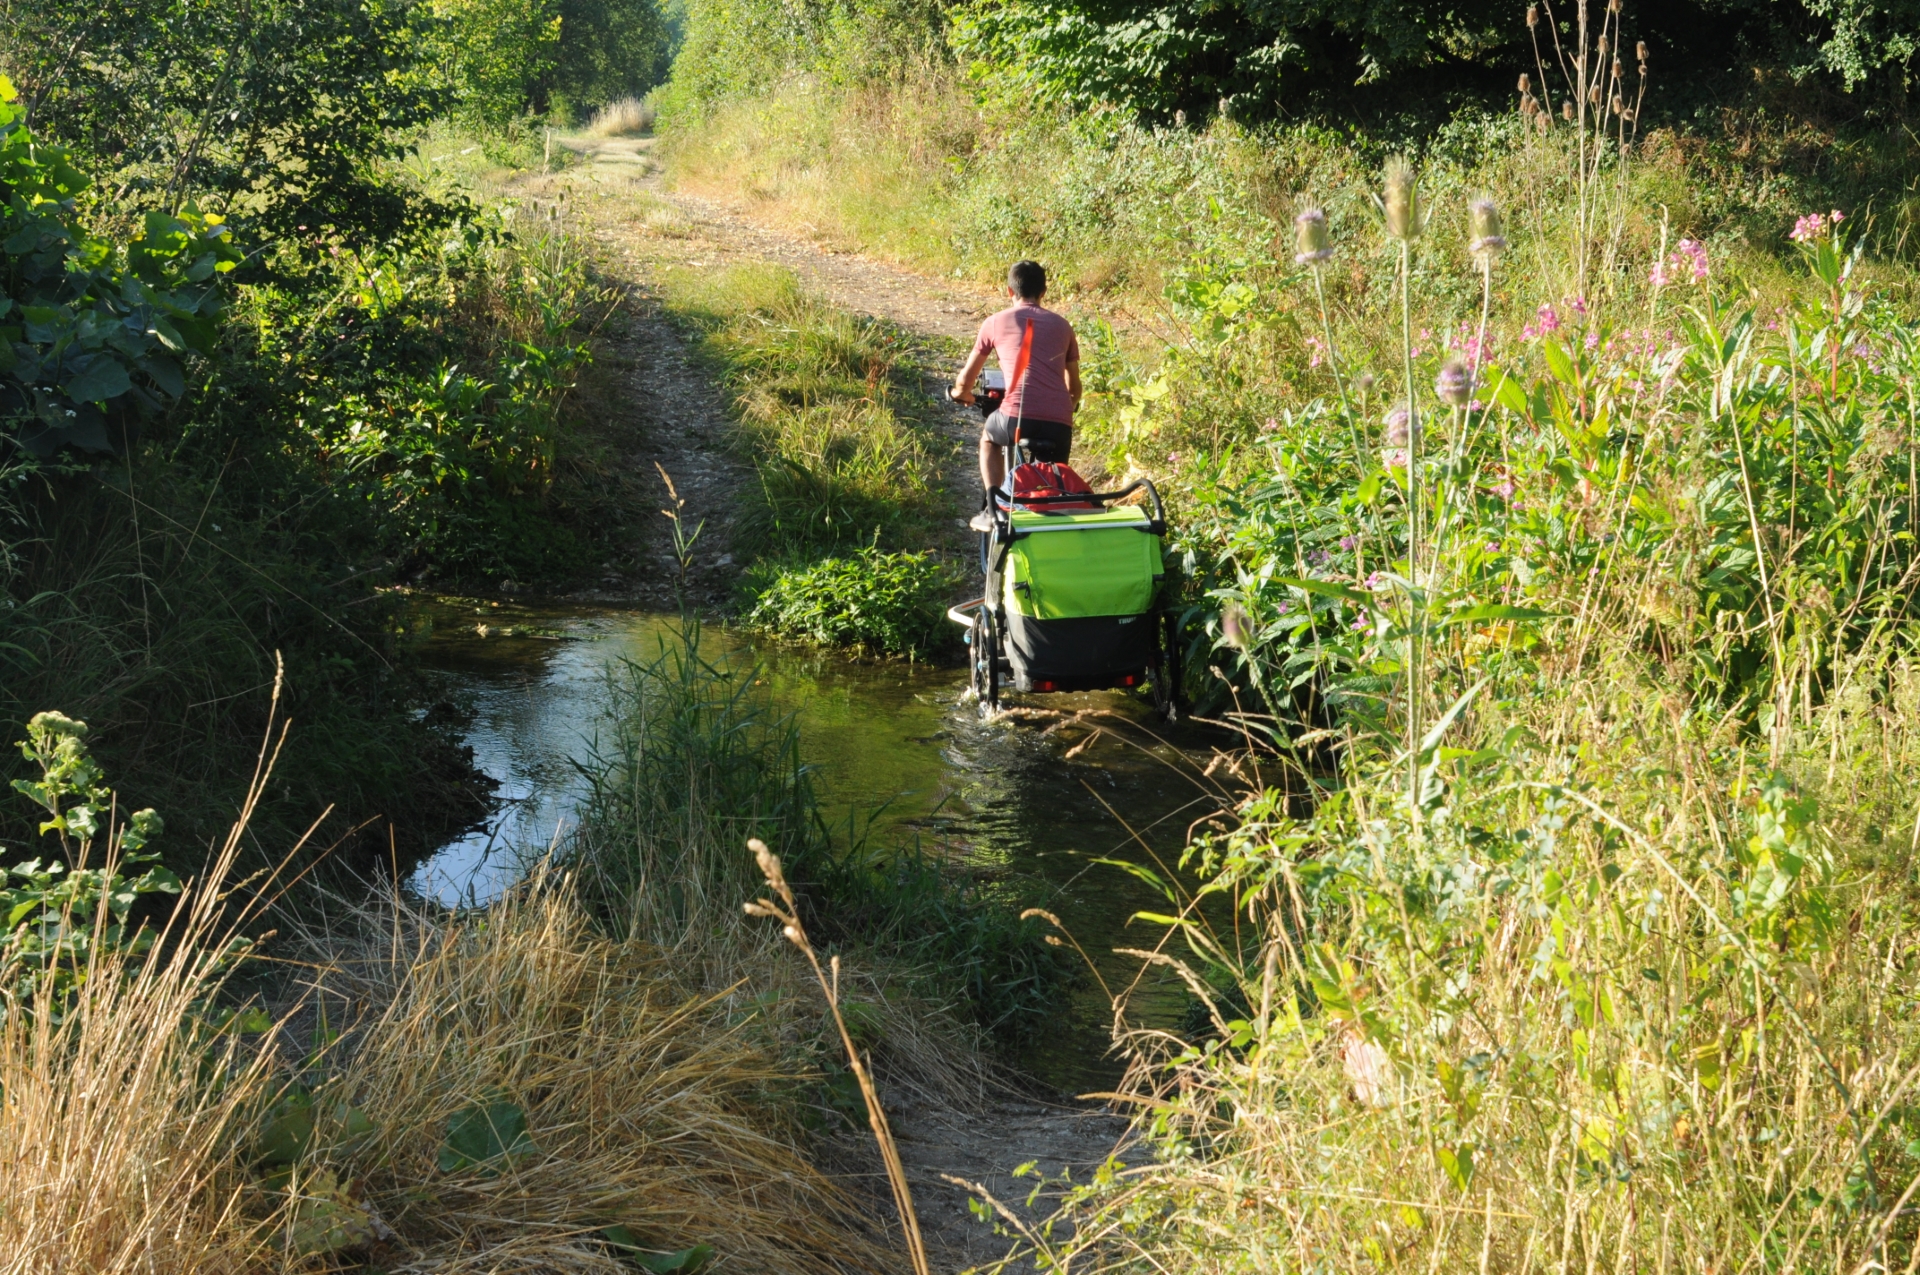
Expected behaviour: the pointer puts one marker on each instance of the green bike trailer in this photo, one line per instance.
(1072, 599)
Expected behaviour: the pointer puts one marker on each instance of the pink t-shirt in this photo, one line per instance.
(1042, 393)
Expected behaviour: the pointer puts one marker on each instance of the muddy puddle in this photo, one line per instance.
(898, 758)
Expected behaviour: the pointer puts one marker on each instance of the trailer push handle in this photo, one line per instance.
(1156, 525)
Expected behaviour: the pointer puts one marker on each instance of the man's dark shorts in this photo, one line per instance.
(1045, 440)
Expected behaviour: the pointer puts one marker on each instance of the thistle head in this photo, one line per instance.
(1397, 426)
(1489, 234)
(1454, 385)
(1402, 201)
(1312, 244)
(1233, 625)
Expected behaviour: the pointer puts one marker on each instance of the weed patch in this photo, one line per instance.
(889, 603)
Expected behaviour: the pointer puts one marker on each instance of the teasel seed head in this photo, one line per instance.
(1619, 107)
(1533, 16)
(1618, 70)
(1402, 202)
(1313, 246)
(1593, 94)
(1233, 624)
(1603, 46)
(1613, 6)
(1526, 84)
(1489, 235)
(1397, 431)
(1566, 110)
(1454, 385)
(1640, 51)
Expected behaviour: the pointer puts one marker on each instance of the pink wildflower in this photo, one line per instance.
(1813, 226)
(1687, 263)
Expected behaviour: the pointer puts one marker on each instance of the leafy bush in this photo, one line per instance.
(1390, 65)
(548, 57)
(733, 48)
(92, 331)
(276, 115)
(893, 603)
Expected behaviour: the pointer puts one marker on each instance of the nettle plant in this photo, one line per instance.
(62, 914)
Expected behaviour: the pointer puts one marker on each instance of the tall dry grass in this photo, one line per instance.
(155, 1121)
(123, 1114)
(650, 1103)
(628, 117)
(127, 1099)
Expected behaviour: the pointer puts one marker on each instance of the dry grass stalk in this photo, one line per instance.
(627, 117)
(795, 933)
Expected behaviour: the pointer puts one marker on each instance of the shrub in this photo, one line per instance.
(891, 603)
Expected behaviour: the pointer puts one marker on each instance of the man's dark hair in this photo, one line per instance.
(1028, 279)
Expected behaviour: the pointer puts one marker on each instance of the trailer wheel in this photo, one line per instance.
(1165, 678)
(984, 650)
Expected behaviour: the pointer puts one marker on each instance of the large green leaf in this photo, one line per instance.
(488, 1138)
(686, 1261)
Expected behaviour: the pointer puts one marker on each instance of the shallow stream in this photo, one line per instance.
(893, 748)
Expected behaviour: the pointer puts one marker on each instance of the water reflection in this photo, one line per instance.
(896, 758)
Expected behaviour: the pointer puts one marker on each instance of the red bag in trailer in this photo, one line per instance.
(1042, 478)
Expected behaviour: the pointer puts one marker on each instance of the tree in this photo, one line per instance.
(276, 113)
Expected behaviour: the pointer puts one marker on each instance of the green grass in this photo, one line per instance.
(696, 761)
(846, 450)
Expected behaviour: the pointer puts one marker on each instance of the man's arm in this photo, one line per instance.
(963, 382)
(1074, 386)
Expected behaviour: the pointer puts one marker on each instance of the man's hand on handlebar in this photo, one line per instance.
(961, 394)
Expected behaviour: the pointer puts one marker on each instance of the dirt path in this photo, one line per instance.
(673, 417)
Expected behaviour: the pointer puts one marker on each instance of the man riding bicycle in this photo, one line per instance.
(1040, 357)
